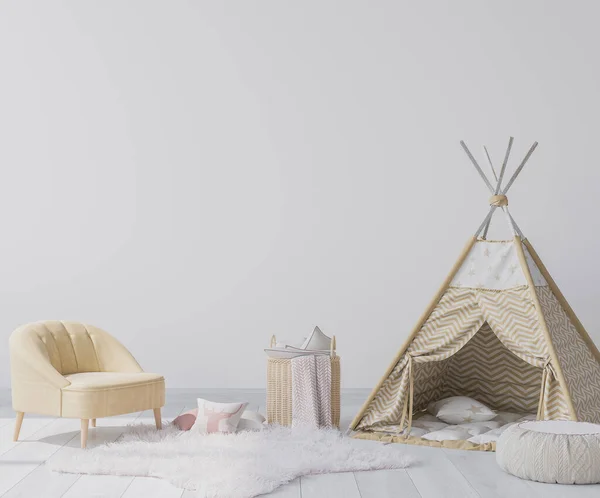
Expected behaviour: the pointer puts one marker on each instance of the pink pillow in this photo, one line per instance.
(186, 420)
(218, 417)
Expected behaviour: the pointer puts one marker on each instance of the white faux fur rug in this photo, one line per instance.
(240, 465)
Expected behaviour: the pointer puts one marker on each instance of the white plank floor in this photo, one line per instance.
(438, 473)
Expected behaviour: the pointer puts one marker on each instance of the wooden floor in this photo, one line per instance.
(438, 473)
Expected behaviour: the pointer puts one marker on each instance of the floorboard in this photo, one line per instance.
(99, 487)
(30, 427)
(434, 475)
(484, 475)
(42, 482)
(148, 487)
(32, 452)
(328, 485)
(385, 484)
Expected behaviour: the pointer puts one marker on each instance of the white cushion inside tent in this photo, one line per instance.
(431, 428)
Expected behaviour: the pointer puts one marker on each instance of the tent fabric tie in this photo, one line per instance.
(546, 371)
(498, 200)
(407, 409)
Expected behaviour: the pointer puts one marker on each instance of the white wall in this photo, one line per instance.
(196, 176)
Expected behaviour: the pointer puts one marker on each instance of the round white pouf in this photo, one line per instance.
(554, 451)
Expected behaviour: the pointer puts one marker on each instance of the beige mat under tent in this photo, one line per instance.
(499, 331)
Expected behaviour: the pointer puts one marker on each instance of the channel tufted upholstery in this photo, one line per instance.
(68, 369)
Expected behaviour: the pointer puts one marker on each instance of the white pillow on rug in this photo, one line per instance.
(218, 417)
(251, 421)
(460, 410)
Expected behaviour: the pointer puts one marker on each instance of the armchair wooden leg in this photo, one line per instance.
(157, 418)
(84, 432)
(18, 423)
(93, 422)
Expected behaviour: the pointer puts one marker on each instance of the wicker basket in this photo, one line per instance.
(279, 389)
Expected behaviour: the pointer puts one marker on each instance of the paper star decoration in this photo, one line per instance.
(468, 420)
(486, 253)
(475, 409)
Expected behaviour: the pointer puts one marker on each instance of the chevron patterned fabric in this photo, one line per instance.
(311, 391)
(429, 382)
(486, 344)
(555, 406)
(488, 372)
(580, 368)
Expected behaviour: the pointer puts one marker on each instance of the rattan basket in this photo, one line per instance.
(279, 389)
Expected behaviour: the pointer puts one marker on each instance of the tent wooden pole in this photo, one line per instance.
(477, 167)
(485, 221)
(553, 356)
(487, 225)
(415, 330)
(487, 154)
(508, 149)
(511, 223)
(515, 224)
(562, 300)
(511, 227)
(518, 170)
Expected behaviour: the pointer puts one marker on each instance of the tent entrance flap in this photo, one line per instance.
(483, 369)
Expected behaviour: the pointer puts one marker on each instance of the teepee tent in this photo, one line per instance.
(498, 330)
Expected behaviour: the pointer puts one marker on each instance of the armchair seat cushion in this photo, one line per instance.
(105, 394)
(90, 381)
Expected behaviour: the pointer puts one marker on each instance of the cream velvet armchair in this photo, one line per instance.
(68, 369)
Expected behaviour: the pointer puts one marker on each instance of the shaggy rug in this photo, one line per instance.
(240, 465)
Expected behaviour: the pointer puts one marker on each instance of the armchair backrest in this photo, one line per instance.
(72, 347)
